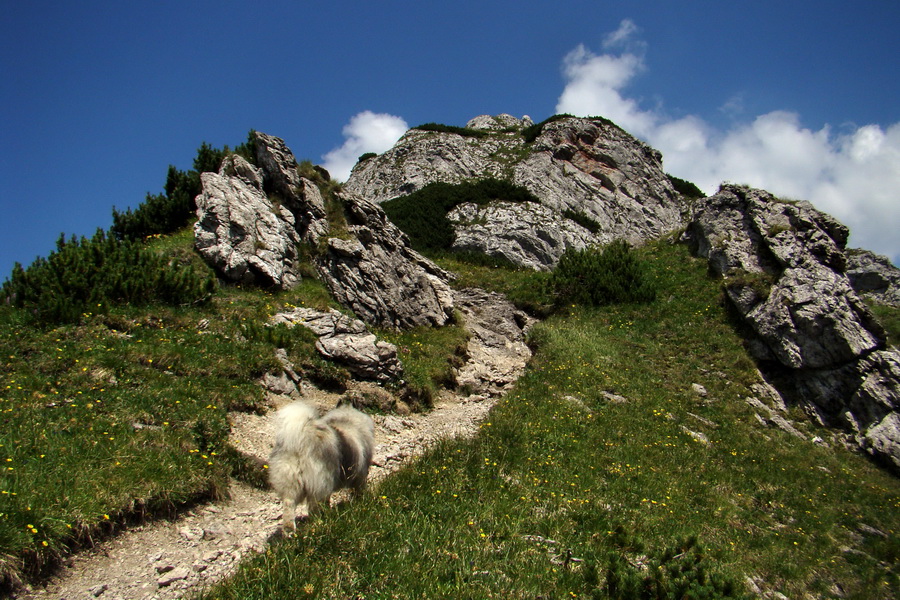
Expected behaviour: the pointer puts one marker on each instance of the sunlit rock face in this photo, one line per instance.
(784, 268)
(583, 171)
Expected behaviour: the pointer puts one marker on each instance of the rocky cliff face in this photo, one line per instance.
(784, 269)
(378, 276)
(252, 224)
(588, 169)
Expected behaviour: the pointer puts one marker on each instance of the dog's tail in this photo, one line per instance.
(291, 421)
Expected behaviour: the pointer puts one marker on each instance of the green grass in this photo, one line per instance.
(529, 290)
(126, 413)
(563, 491)
(429, 356)
(889, 317)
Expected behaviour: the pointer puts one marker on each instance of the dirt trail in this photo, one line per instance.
(169, 559)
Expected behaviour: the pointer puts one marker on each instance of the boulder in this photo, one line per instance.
(783, 265)
(253, 223)
(347, 341)
(300, 196)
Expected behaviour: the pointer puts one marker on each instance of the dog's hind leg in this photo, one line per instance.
(290, 510)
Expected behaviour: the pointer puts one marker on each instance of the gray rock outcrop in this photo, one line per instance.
(874, 276)
(593, 167)
(783, 265)
(379, 277)
(576, 166)
(300, 196)
(253, 223)
(497, 352)
(240, 232)
(525, 233)
(348, 342)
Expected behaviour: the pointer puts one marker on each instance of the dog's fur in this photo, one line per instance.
(314, 457)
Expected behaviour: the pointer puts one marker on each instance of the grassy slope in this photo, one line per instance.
(559, 472)
(126, 412)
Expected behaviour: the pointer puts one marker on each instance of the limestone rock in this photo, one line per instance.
(252, 223)
(240, 232)
(783, 266)
(422, 157)
(874, 276)
(593, 167)
(347, 341)
(497, 350)
(586, 167)
(527, 234)
(299, 196)
(379, 277)
(498, 122)
(363, 354)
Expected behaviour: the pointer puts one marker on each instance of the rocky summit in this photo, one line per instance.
(784, 265)
(595, 182)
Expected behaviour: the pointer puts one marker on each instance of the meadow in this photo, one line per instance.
(604, 474)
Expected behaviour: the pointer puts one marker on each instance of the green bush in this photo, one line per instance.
(463, 131)
(600, 276)
(582, 219)
(366, 156)
(679, 572)
(161, 214)
(422, 215)
(685, 188)
(89, 275)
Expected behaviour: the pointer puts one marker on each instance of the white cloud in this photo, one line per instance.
(595, 88)
(854, 177)
(622, 36)
(366, 132)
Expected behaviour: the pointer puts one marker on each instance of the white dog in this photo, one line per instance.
(314, 457)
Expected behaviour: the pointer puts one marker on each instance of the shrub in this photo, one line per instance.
(582, 219)
(89, 275)
(463, 131)
(678, 572)
(599, 276)
(366, 156)
(422, 215)
(162, 214)
(685, 188)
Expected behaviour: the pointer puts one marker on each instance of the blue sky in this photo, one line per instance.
(98, 98)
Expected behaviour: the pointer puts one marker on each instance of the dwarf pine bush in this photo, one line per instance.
(463, 131)
(600, 276)
(87, 275)
(162, 214)
(422, 215)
